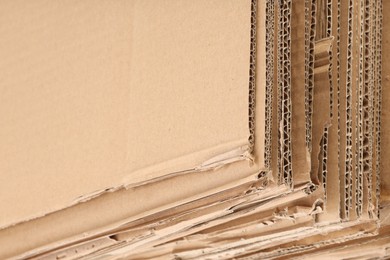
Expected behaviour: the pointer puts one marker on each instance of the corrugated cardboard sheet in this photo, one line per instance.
(209, 129)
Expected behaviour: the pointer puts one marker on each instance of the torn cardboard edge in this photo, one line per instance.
(102, 205)
(239, 154)
(330, 235)
(133, 248)
(269, 192)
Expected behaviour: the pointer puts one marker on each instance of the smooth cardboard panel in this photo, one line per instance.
(92, 92)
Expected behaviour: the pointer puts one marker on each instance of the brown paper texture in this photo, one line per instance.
(210, 129)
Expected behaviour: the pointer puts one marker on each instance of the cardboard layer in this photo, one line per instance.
(385, 116)
(93, 92)
(300, 151)
(210, 129)
(344, 197)
(270, 82)
(284, 93)
(262, 120)
(112, 210)
(331, 178)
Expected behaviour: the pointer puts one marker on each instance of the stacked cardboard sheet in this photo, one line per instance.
(208, 129)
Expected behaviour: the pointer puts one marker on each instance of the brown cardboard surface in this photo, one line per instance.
(300, 152)
(367, 111)
(264, 226)
(377, 87)
(378, 104)
(343, 16)
(309, 245)
(92, 92)
(284, 93)
(332, 178)
(202, 129)
(310, 32)
(261, 69)
(114, 207)
(385, 116)
(321, 19)
(275, 95)
(359, 119)
(353, 92)
(321, 106)
(270, 118)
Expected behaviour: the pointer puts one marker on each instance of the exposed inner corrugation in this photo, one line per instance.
(284, 87)
(287, 169)
(359, 130)
(373, 91)
(270, 29)
(374, 106)
(321, 160)
(348, 154)
(324, 150)
(307, 57)
(252, 76)
(280, 86)
(329, 30)
(309, 79)
(338, 64)
(324, 142)
(372, 210)
(354, 101)
(372, 197)
(378, 97)
(307, 51)
(330, 73)
(310, 89)
(367, 101)
(275, 95)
